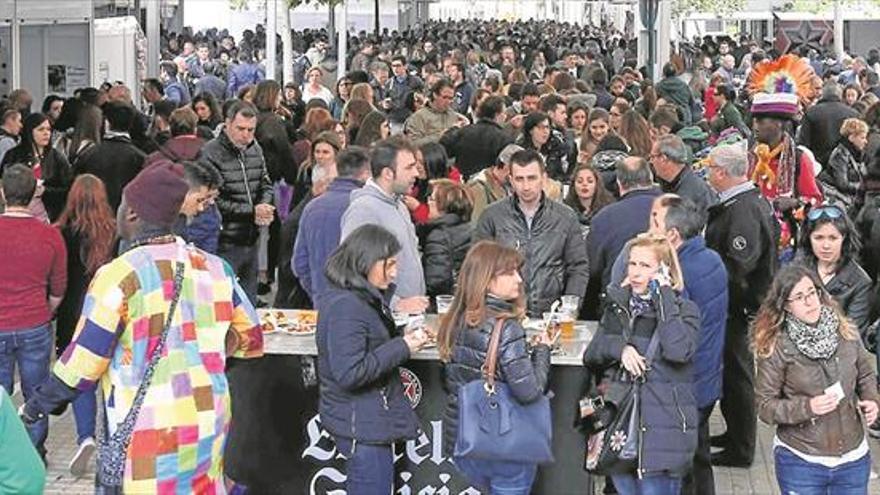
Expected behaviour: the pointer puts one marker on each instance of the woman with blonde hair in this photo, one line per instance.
(815, 383)
(842, 178)
(646, 313)
(314, 89)
(490, 290)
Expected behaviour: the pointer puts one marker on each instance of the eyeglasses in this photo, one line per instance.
(830, 211)
(803, 297)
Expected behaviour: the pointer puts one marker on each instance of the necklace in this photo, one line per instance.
(150, 241)
(17, 211)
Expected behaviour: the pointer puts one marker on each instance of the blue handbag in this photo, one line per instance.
(493, 425)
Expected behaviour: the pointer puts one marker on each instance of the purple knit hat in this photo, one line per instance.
(157, 193)
(778, 105)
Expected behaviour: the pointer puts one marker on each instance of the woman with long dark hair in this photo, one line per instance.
(490, 289)
(636, 132)
(830, 245)
(587, 195)
(432, 163)
(815, 384)
(50, 167)
(86, 134)
(359, 350)
(206, 107)
(89, 230)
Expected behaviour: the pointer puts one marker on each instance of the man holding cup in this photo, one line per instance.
(245, 199)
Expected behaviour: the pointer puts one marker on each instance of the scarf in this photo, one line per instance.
(782, 179)
(639, 304)
(815, 342)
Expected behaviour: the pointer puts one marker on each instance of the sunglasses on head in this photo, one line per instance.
(830, 211)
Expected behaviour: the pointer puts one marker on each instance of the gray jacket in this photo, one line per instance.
(554, 249)
(371, 205)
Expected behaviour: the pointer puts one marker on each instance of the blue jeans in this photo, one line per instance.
(369, 468)
(498, 477)
(29, 349)
(85, 407)
(796, 475)
(660, 484)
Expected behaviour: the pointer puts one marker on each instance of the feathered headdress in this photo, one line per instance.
(778, 85)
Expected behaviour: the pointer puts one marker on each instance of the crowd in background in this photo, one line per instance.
(739, 226)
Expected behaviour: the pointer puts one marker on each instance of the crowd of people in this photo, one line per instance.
(722, 226)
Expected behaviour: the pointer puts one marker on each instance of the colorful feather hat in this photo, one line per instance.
(777, 86)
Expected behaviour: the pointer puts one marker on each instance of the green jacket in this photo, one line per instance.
(728, 117)
(21, 470)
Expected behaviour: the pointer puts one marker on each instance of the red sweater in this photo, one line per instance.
(33, 265)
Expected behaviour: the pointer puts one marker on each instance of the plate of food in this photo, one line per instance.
(268, 323)
(303, 322)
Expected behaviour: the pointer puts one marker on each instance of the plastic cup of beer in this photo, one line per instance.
(566, 325)
(444, 302)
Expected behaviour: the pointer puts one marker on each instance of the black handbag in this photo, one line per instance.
(615, 449)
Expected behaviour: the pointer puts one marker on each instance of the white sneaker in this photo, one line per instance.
(80, 462)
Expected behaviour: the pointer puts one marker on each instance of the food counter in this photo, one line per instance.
(277, 445)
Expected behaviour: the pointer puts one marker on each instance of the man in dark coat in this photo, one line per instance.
(820, 129)
(705, 283)
(116, 161)
(669, 160)
(744, 231)
(401, 84)
(545, 231)
(619, 222)
(245, 199)
(476, 146)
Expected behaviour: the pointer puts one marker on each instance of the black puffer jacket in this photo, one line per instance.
(476, 146)
(554, 249)
(526, 375)
(446, 243)
(668, 407)
(237, 195)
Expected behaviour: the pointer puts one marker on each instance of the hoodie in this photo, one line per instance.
(372, 205)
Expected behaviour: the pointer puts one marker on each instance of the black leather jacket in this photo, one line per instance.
(525, 374)
(237, 195)
(851, 289)
(553, 247)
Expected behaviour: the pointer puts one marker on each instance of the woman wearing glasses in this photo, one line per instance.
(829, 244)
(816, 384)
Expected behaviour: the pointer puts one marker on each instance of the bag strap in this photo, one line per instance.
(491, 363)
(653, 345)
(141, 393)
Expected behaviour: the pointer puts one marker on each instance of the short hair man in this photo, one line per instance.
(10, 128)
(545, 231)
(394, 171)
(214, 320)
(429, 123)
(320, 225)
(619, 222)
(743, 230)
(476, 146)
(244, 204)
(669, 158)
(705, 281)
(491, 184)
(33, 280)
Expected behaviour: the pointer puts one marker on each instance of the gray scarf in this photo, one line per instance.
(815, 341)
